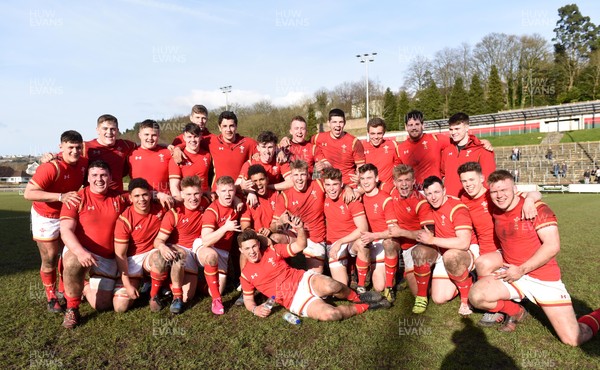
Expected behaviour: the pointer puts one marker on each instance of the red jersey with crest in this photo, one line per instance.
(480, 212)
(424, 155)
(413, 213)
(215, 216)
(261, 215)
(152, 165)
(339, 217)
(304, 151)
(520, 241)
(96, 216)
(451, 217)
(139, 230)
(228, 158)
(308, 205)
(272, 276)
(385, 157)
(116, 156)
(345, 153)
(195, 164)
(276, 172)
(452, 158)
(57, 176)
(183, 225)
(379, 210)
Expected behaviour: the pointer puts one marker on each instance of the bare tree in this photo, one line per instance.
(416, 74)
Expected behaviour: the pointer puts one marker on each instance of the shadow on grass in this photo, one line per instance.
(473, 351)
(18, 251)
(581, 308)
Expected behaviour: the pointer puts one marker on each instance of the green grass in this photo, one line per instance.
(581, 136)
(533, 138)
(198, 339)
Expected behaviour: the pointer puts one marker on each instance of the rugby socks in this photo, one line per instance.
(211, 273)
(157, 281)
(48, 279)
(177, 292)
(507, 306)
(361, 308)
(422, 275)
(362, 268)
(353, 297)
(463, 283)
(391, 265)
(592, 320)
(73, 302)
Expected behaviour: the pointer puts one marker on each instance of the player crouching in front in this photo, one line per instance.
(299, 291)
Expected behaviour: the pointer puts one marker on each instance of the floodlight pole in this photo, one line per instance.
(366, 59)
(226, 90)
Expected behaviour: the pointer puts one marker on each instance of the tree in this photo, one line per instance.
(475, 102)
(311, 122)
(416, 75)
(495, 97)
(576, 38)
(431, 101)
(402, 108)
(389, 109)
(458, 97)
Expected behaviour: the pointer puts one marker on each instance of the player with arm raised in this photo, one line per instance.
(55, 183)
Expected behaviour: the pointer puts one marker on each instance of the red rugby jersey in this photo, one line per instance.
(424, 155)
(116, 156)
(345, 153)
(452, 216)
(261, 215)
(339, 217)
(183, 225)
(379, 210)
(413, 213)
(215, 216)
(228, 158)
(196, 164)
(385, 157)
(138, 230)
(152, 165)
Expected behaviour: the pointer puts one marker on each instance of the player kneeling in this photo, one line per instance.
(135, 232)
(299, 291)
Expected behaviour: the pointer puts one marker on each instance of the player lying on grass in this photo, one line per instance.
(299, 291)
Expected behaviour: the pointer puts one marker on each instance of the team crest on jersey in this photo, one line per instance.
(344, 148)
(385, 149)
(91, 208)
(66, 177)
(138, 227)
(162, 157)
(272, 261)
(138, 157)
(96, 152)
(443, 220)
(516, 220)
(367, 151)
(254, 276)
(242, 149)
(326, 204)
(205, 161)
(468, 152)
(375, 208)
(408, 151)
(116, 205)
(424, 144)
(314, 194)
(185, 220)
(295, 202)
(408, 209)
(221, 148)
(343, 209)
(484, 204)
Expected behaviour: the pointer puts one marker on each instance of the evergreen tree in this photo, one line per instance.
(458, 97)
(495, 97)
(389, 109)
(431, 101)
(312, 126)
(476, 102)
(402, 109)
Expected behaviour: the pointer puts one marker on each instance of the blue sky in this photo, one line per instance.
(64, 63)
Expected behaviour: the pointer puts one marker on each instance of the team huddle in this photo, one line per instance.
(432, 207)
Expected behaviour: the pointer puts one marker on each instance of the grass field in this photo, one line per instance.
(581, 136)
(392, 339)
